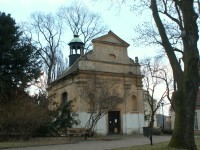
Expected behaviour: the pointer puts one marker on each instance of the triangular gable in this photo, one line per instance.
(111, 38)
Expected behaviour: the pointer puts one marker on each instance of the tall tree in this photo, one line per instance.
(83, 22)
(19, 64)
(176, 31)
(46, 31)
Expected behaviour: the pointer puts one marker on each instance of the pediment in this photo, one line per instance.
(112, 39)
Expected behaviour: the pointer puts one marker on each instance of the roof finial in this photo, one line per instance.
(76, 34)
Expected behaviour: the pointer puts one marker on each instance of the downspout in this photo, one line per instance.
(125, 113)
(138, 121)
(137, 101)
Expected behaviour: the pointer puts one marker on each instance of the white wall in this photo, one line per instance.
(131, 123)
(101, 127)
(198, 118)
(83, 117)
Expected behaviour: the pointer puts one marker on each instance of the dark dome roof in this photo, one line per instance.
(76, 39)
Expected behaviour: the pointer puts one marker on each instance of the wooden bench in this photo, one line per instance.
(78, 132)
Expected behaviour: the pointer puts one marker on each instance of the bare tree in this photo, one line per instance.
(101, 98)
(83, 22)
(46, 30)
(157, 85)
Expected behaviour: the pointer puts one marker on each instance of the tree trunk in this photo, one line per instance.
(190, 103)
(177, 139)
(151, 128)
(188, 79)
(183, 134)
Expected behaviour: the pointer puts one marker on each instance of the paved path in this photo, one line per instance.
(101, 144)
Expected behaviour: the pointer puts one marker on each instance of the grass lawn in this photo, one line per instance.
(160, 146)
(64, 140)
(35, 142)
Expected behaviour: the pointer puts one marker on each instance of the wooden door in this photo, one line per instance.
(114, 122)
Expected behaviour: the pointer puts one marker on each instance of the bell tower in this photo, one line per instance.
(76, 49)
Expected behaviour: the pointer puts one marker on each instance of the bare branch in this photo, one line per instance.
(83, 22)
(155, 77)
(47, 28)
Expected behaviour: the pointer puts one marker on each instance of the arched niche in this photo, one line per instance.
(64, 98)
(134, 103)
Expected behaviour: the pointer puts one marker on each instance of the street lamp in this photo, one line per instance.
(162, 104)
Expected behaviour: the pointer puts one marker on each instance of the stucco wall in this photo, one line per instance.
(103, 51)
(132, 118)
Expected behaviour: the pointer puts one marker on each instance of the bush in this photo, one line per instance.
(168, 131)
(21, 117)
(62, 119)
(156, 131)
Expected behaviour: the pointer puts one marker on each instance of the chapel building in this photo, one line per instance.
(108, 62)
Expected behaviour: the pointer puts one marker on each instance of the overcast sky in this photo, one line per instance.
(121, 22)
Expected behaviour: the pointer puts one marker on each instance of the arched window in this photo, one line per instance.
(134, 103)
(64, 98)
(112, 56)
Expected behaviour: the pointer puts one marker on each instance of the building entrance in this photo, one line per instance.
(114, 122)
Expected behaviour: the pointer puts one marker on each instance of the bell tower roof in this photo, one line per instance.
(76, 40)
(76, 49)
